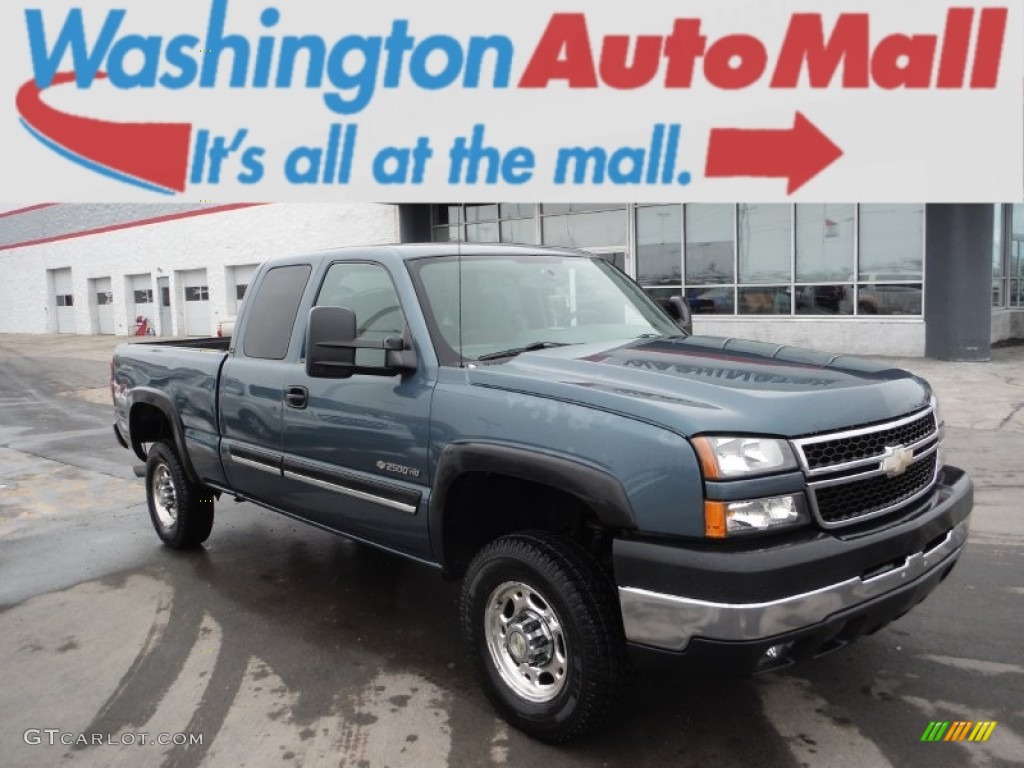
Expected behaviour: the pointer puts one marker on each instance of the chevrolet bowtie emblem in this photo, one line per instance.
(896, 460)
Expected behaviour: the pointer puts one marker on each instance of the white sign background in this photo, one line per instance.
(901, 145)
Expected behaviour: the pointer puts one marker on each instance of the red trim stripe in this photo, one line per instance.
(131, 225)
(29, 209)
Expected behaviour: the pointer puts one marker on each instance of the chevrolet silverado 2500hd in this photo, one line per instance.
(608, 486)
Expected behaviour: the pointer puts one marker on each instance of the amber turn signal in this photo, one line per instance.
(714, 519)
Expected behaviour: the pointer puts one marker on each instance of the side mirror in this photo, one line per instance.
(679, 310)
(331, 347)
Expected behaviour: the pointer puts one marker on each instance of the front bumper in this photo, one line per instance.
(801, 599)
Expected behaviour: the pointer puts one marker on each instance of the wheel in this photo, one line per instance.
(181, 511)
(541, 619)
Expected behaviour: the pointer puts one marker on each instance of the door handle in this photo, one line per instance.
(297, 397)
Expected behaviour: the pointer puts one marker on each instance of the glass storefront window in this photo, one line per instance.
(997, 243)
(891, 241)
(516, 210)
(549, 208)
(586, 230)
(824, 242)
(484, 223)
(765, 243)
(714, 300)
(447, 214)
(889, 299)
(1016, 293)
(710, 238)
(749, 259)
(1016, 265)
(518, 231)
(997, 258)
(481, 212)
(482, 233)
(446, 234)
(824, 300)
(765, 300)
(659, 245)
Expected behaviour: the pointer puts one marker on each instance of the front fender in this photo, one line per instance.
(635, 474)
(599, 490)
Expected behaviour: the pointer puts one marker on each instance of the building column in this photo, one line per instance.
(958, 282)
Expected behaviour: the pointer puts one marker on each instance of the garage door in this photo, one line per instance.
(65, 301)
(197, 303)
(103, 295)
(142, 298)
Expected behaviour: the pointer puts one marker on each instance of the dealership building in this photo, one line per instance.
(943, 281)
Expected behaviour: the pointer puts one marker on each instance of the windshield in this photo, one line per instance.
(512, 303)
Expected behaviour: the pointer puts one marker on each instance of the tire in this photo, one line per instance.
(541, 620)
(181, 511)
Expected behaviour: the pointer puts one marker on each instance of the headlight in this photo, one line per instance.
(729, 518)
(939, 421)
(727, 457)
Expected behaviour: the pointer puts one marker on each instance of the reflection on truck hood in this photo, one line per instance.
(724, 385)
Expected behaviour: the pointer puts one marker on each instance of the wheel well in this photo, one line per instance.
(148, 424)
(483, 506)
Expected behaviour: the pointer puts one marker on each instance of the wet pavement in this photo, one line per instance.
(281, 645)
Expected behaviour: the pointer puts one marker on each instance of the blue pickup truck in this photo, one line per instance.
(610, 488)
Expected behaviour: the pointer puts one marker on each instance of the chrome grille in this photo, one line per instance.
(865, 445)
(841, 503)
(855, 475)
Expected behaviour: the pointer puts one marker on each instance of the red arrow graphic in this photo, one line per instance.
(156, 153)
(799, 153)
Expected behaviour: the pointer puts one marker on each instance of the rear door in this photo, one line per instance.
(355, 450)
(252, 383)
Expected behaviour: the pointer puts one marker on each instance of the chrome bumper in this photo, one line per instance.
(670, 622)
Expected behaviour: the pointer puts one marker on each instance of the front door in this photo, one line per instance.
(65, 301)
(103, 295)
(355, 450)
(164, 289)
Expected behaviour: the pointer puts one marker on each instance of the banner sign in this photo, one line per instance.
(401, 101)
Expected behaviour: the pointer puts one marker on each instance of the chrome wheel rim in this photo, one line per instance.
(165, 498)
(526, 641)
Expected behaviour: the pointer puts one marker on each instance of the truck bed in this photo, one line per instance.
(182, 377)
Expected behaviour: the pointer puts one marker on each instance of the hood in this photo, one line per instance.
(704, 384)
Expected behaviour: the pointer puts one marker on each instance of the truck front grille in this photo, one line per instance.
(861, 498)
(863, 473)
(841, 450)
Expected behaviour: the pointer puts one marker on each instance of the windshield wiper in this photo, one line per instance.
(519, 350)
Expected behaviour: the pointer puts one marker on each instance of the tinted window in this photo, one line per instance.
(275, 306)
(368, 291)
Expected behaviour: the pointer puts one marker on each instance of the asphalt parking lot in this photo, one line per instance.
(280, 645)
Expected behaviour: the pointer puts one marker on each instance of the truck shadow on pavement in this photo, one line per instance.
(355, 638)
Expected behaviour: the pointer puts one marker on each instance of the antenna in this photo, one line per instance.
(462, 224)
